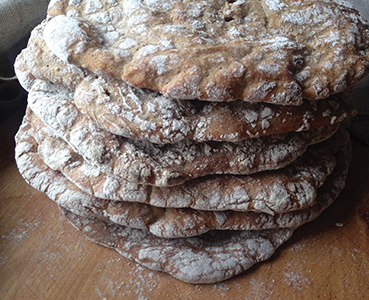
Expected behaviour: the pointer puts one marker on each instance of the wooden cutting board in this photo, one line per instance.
(43, 257)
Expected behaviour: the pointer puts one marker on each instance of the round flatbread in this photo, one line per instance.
(211, 258)
(163, 222)
(145, 115)
(278, 51)
(171, 164)
(288, 189)
(232, 122)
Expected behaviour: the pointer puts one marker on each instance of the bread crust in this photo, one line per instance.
(259, 51)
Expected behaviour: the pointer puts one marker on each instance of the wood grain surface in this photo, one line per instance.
(43, 257)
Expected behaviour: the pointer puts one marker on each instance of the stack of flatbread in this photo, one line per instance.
(193, 137)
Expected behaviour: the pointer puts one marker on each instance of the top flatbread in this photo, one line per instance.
(147, 115)
(277, 51)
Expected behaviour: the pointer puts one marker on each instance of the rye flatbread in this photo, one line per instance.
(146, 115)
(163, 222)
(171, 164)
(231, 122)
(277, 51)
(211, 258)
(279, 191)
(288, 189)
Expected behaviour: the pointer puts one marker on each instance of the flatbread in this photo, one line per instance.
(171, 164)
(37, 61)
(146, 115)
(163, 222)
(54, 105)
(290, 188)
(276, 51)
(210, 258)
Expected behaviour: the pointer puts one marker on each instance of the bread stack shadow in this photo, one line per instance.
(201, 189)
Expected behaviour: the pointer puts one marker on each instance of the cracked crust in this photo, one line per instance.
(210, 258)
(289, 189)
(164, 222)
(146, 115)
(173, 121)
(171, 164)
(302, 177)
(103, 72)
(260, 51)
(130, 112)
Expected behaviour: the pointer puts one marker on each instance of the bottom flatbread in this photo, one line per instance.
(212, 257)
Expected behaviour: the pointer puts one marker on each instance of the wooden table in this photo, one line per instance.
(43, 257)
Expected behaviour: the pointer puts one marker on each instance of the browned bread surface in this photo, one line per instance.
(259, 51)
